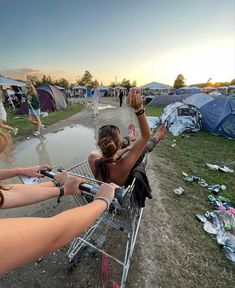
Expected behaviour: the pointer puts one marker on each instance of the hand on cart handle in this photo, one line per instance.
(71, 183)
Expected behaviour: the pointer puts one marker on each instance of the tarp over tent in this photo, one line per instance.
(218, 116)
(10, 82)
(51, 98)
(164, 100)
(180, 117)
(198, 99)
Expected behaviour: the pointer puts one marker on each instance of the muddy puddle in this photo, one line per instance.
(65, 147)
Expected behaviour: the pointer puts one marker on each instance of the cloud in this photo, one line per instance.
(22, 73)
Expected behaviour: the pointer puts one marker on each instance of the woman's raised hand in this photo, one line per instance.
(134, 99)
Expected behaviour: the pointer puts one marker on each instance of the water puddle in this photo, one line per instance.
(66, 147)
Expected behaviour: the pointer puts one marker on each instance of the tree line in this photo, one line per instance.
(87, 80)
(181, 82)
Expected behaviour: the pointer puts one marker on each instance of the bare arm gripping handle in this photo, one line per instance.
(119, 191)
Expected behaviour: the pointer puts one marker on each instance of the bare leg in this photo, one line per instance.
(31, 120)
(7, 127)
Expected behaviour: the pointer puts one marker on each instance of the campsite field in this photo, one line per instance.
(172, 249)
(26, 129)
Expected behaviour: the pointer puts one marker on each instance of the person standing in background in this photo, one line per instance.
(95, 101)
(34, 108)
(121, 97)
(3, 117)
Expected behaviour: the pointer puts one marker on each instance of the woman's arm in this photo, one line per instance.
(21, 194)
(28, 171)
(25, 239)
(137, 148)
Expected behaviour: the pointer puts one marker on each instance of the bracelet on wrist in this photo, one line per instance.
(61, 193)
(103, 199)
(1, 199)
(139, 112)
(56, 182)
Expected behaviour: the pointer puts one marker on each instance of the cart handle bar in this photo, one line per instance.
(92, 189)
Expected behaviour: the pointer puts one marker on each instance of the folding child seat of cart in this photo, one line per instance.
(121, 218)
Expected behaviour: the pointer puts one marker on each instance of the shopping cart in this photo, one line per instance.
(123, 217)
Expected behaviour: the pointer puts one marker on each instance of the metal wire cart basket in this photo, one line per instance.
(120, 222)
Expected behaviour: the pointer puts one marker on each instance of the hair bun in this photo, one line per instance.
(107, 147)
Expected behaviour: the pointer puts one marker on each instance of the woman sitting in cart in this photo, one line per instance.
(107, 166)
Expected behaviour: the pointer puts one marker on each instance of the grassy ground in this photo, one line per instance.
(193, 151)
(198, 257)
(21, 121)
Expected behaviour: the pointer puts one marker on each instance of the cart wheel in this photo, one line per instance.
(73, 263)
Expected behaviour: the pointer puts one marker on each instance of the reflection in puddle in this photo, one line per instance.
(65, 147)
(102, 107)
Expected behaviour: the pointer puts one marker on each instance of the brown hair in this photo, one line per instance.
(109, 140)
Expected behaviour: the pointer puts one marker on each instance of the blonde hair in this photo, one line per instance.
(33, 90)
(5, 146)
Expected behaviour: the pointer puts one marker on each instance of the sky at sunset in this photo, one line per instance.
(142, 40)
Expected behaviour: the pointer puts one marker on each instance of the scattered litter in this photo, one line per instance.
(178, 191)
(203, 183)
(44, 114)
(27, 138)
(214, 188)
(209, 227)
(201, 218)
(174, 140)
(17, 117)
(173, 145)
(218, 168)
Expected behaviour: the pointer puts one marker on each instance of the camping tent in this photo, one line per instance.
(9, 82)
(79, 91)
(189, 90)
(218, 116)
(180, 117)
(156, 86)
(198, 99)
(51, 98)
(164, 100)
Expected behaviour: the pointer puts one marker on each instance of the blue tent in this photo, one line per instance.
(218, 116)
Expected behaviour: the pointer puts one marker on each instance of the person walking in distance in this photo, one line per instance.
(121, 97)
(34, 108)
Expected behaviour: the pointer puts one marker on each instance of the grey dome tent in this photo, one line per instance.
(164, 100)
(198, 99)
(51, 98)
(218, 116)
